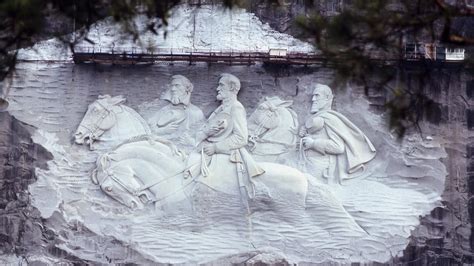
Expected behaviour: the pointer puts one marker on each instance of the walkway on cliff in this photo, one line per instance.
(236, 57)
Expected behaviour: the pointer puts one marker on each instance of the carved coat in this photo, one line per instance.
(187, 117)
(340, 146)
(232, 167)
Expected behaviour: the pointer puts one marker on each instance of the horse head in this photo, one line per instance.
(271, 113)
(273, 125)
(100, 117)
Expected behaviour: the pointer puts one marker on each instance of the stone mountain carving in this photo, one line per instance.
(273, 130)
(152, 170)
(335, 148)
(223, 140)
(179, 116)
(142, 171)
(109, 122)
(362, 220)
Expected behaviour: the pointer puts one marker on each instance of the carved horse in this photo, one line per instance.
(110, 122)
(150, 169)
(273, 130)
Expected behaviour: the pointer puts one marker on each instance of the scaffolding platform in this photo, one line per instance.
(272, 56)
(221, 57)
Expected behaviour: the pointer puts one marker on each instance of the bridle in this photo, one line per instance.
(261, 130)
(94, 130)
(260, 127)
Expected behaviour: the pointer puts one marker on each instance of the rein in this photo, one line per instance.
(147, 186)
(258, 138)
(95, 126)
(302, 154)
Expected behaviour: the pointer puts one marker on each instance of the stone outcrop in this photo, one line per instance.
(445, 236)
(20, 224)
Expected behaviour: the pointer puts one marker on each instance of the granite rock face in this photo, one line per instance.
(25, 236)
(442, 236)
(445, 236)
(87, 223)
(21, 225)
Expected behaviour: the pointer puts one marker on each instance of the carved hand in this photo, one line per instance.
(303, 132)
(217, 128)
(168, 129)
(252, 142)
(213, 130)
(209, 149)
(308, 143)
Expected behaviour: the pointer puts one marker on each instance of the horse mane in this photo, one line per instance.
(134, 139)
(280, 106)
(107, 100)
(283, 112)
(137, 116)
(292, 113)
(148, 137)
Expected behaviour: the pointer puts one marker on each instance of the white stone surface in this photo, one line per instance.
(273, 130)
(371, 222)
(179, 118)
(332, 146)
(209, 28)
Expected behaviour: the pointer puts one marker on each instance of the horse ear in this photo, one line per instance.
(117, 100)
(105, 96)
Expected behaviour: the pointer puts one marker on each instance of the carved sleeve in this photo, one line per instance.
(239, 136)
(333, 145)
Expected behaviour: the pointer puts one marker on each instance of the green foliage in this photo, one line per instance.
(364, 44)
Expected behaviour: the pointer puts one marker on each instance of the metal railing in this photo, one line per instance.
(135, 55)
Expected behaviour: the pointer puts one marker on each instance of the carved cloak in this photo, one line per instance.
(358, 148)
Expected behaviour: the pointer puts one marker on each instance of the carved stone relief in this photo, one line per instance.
(334, 147)
(273, 127)
(169, 181)
(179, 116)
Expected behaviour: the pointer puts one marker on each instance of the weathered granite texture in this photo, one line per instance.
(445, 236)
(69, 87)
(24, 235)
(20, 223)
(22, 229)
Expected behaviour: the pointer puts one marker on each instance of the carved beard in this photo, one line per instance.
(177, 99)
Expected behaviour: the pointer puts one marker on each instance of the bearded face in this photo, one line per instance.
(178, 92)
